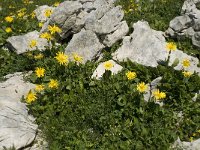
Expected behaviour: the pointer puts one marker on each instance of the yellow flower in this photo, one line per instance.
(131, 75)
(40, 24)
(8, 29)
(32, 43)
(21, 14)
(40, 72)
(61, 58)
(53, 83)
(46, 35)
(159, 95)
(56, 4)
(31, 97)
(9, 19)
(77, 58)
(171, 46)
(53, 29)
(39, 56)
(186, 63)
(108, 65)
(162, 95)
(48, 13)
(187, 73)
(142, 87)
(39, 87)
(33, 15)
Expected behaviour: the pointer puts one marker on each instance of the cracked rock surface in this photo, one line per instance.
(17, 128)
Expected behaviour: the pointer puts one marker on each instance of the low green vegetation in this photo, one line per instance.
(75, 111)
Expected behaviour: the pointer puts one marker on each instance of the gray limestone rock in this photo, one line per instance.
(86, 44)
(16, 126)
(21, 43)
(144, 46)
(109, 22)
(121, 31)
(148, 47)
(180, 23)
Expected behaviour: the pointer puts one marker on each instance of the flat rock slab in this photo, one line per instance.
(16, 126)
(15, 87)
(21, 43)
(148, 47)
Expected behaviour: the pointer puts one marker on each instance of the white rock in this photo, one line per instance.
(20, 43)
(147, 47)
(121, 31)
(144, 46)
(86, 44)
(15, 86)
(16, 126)
(100, 70)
